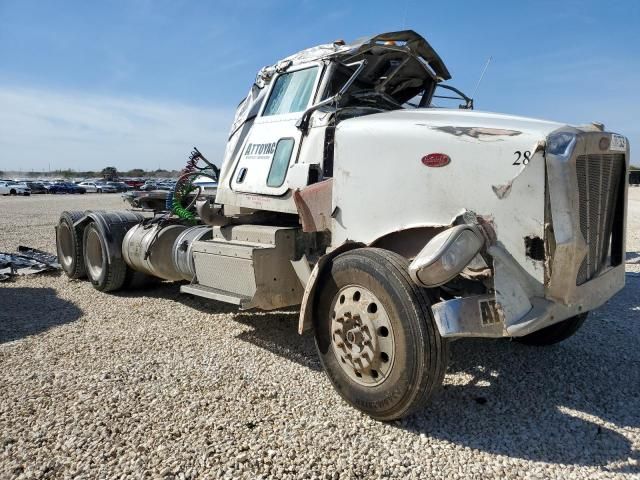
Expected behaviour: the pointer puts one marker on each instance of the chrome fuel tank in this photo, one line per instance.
(148, 249)
(183, 249)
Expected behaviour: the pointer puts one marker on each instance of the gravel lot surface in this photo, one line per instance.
(152, 383)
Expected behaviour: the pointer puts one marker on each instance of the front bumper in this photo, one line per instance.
(583, 269)
(481, 315)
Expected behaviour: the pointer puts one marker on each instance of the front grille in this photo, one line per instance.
(599, 179)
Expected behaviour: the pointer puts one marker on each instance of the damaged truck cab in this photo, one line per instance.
(394, 224)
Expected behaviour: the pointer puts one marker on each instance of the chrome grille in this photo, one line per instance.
(599, 178)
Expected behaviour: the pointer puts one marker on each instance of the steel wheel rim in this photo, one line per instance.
(362, 336)
(93, 251)
(66, 245)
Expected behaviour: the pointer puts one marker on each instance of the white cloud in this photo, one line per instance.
(39, 128)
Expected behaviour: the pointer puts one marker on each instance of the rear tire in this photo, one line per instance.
(12, 192)
(105, 271)
(69, 244)
(555, 333)
(376, 335)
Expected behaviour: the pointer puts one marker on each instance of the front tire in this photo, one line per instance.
(376, 336)
(555, 333)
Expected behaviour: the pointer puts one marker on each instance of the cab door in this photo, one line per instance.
(274, 140)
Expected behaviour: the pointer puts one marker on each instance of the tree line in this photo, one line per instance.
(108, 173)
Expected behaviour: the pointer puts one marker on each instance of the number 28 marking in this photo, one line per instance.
(524, 156)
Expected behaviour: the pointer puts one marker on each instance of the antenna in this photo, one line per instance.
(404, 17)
(486, 65)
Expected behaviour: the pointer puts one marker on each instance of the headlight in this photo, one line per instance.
(446, 255)
(560, 143)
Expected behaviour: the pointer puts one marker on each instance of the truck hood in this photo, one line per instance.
(471, 123)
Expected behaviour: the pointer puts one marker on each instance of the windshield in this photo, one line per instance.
(392, 81)
(387, 82)
(447, 96)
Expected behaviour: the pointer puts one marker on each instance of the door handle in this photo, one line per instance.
(241, 174)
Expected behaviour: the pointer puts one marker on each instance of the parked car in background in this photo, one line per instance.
(65, 187)
(90, 187)
(119, 186)
(36, 187)
(94, 187)
(166, 185)
(147, 187)
(134, 183)
(207, 185)
(9, 187)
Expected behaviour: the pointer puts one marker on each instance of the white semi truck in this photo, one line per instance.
(396, 226)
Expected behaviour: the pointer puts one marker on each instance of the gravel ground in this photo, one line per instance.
(157, 384)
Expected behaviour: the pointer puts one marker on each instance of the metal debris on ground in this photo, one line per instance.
(27, 261)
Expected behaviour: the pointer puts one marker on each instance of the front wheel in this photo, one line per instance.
(555, 333)
(376, 336)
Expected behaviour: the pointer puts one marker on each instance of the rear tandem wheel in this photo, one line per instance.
(69, 244)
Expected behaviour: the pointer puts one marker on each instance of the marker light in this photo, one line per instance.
(560, 143)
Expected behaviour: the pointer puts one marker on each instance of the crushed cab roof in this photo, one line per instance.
(406, 41)
(386, 55)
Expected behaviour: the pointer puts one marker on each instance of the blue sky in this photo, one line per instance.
(136, 83)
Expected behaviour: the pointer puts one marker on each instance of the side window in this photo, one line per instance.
(291, 92)
(280, 162)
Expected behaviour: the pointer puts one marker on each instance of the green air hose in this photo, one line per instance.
(176, 205)
(184, 186)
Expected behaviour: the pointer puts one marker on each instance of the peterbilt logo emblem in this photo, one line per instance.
(436, 160)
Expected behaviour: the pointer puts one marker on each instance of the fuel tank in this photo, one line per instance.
(149, 249)
(183, 249)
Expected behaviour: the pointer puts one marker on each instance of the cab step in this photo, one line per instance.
(214, 294)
